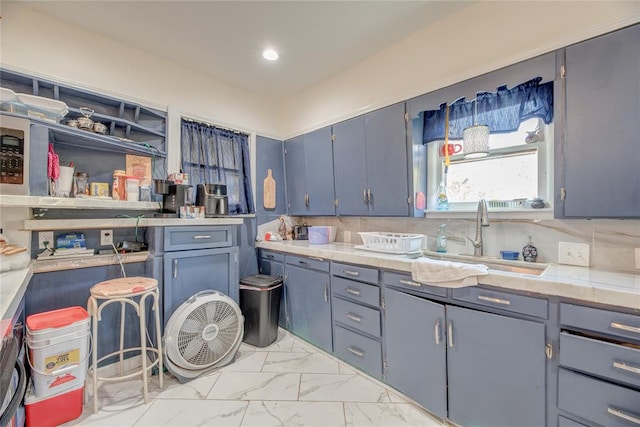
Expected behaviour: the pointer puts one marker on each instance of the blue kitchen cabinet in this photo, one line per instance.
(416, 349)
(600, 154)
(371, 164)
(496, 369)
(309, 173)
(272, 264)
(309, 301)
(350, 167)
(270, 155)
(387, 164)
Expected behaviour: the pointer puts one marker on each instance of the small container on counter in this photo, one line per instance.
(118, 189)
(132, 188)
(81, 184)
(145, 193)
(99, 189)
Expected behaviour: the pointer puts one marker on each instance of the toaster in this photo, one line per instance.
(301, 232)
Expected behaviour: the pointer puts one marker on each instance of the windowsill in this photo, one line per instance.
(497, 213)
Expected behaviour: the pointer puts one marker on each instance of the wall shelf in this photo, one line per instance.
(46, 202)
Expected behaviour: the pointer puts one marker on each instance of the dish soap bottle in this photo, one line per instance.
(442, 201)
(441, 240)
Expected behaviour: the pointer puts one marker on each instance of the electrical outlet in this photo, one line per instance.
(106, 237)
(573, 254)
(45, 236)
(638, 258)
(346, 236)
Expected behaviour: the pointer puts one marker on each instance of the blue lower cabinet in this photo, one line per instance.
(272, 264)
(496, 368)
(415, 349)
(308, 296)
(358, 350)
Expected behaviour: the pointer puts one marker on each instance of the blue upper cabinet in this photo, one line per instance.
(350, 168)
(601, 155)
(309, 173)
(370, 164)
(388, 192)
(269, 156)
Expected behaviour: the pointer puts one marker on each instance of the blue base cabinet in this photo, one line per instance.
(272, 264)
(309, 300)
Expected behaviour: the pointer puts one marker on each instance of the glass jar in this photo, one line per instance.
(81, 184)
(119, 187)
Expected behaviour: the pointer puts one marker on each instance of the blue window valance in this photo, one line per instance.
(502, 111)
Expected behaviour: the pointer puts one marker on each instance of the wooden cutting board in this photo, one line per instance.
(269, 191)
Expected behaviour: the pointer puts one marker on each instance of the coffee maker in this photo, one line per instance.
(174, 196)
(214, 199)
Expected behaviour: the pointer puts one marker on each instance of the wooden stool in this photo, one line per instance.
(123, 290)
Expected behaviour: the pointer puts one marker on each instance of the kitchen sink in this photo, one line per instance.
(494, 263)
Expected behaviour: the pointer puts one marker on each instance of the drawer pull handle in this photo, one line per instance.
(625, 367)
(618, 413)
(315, 258)
(175, 268)
(410, 283)
(353, 317)
(326, 293)
(351, 273)
(270, 256)
(356, 351)
(352, 291)
(625, 327)
(201, 236)
(437, 332)
(302, 262)
(495, 300)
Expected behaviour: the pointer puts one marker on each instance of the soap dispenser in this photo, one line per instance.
(441, 240)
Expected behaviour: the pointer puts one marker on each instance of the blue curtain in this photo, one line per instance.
(502, 111)
(212, 155)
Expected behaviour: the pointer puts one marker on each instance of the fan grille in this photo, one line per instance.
(206, 349)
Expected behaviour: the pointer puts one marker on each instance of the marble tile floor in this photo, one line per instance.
(289, 383)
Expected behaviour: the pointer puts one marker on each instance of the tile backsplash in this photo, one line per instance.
(612, 242)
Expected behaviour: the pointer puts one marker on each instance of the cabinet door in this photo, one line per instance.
(387, 161)
(496, 369)
(308, 296)
(269, 155)
(415, 349)
(296, 175)
(189, 272)
(318, 153)
(276, 268)
(349, 165)
(602, 154)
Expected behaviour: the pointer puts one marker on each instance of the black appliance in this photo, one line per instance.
(301, 232)
(178, 195)
(214, 199)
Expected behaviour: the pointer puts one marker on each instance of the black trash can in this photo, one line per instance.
(260, 306)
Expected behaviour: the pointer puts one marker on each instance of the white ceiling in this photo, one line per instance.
(224, 39)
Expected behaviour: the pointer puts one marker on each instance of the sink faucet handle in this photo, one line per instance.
(475, 243)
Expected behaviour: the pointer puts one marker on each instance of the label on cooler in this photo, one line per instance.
(62, 360)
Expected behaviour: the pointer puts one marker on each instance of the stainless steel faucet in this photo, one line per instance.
(482, 220)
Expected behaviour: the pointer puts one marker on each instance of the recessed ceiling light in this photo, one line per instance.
(270, 54)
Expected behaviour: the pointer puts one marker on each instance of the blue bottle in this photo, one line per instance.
(441, 240)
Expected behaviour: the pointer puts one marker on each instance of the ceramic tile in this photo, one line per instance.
(340, 388)
(246, 361)
(123, 392)
(388, 414)
(300, 346)
(300, 362)
(396, 397)
(291, 414)
(256, 386)
(193, 413)
(197, 388)
(614, 245)
(284, 342)
(124, 413)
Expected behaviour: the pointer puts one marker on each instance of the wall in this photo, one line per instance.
(482, 37)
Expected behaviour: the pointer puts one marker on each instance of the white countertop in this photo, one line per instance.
(13, 285)
(64, 224)
(582, 283)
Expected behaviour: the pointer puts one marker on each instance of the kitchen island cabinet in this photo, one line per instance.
(370, 164)
(600, 154)
(309, 173)
(309, 300)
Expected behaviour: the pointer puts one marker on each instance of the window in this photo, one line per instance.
(519, 162)
(213, 155)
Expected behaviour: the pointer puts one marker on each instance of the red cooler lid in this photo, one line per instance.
(56, 318)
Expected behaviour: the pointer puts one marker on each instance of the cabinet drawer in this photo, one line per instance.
(598, 401)
(598, 320)
(199, 237)
(364, 274)
(315, 263)
(503, 300)
(403, 280)
(357, 316)
(358, 350)
(600, 358)
(270, 255)
(356, 291)
(566, 422)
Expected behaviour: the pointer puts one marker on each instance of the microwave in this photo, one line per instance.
(14, 156)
